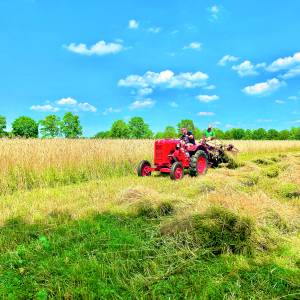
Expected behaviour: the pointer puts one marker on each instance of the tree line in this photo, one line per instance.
(137, 128)
(52, 126)
(69, 126)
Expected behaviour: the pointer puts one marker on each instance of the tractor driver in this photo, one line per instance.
(187, 136)
(209, 133)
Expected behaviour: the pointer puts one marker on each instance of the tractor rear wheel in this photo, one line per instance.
(144, 168)
(177, 171)
(198, 163)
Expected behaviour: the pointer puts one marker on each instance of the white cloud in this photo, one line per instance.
(246, 68)
(297, 121)
(285, 63)
(67, 101)
(87, 107)
(44, 108)
(215, 123)
(146, 103)
(209, 87)
(174, 104)
(264, 88)
(145, 91)
(206, 113)
(264, 120)
(75, 105)
(229, 126)
(279, 101)
(214, 12)
(100, 48)
(154, 29)
(111, 110)
(193, 46)
(227, 59)
(166, 79)
(293, 98)
(214, 9)
(207, 98)
(133, 24)
(294, 72)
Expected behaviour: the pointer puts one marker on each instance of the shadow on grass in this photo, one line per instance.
(111, 256)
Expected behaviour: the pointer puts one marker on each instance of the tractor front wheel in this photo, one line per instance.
(177, 171)
(199, 163)
(144, 168)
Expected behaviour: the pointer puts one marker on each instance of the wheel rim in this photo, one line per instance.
(178, 173)
(201, 165)
(146, 170)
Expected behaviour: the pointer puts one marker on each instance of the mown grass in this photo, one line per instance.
(123, 257)
(232, 234)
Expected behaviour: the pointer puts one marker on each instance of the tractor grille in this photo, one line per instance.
(158, 154)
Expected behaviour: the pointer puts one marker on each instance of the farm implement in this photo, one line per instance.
(172, 156)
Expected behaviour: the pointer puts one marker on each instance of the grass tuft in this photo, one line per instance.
(207, 187)
(272, 171)
(150, 210)
(289, 191)
(251, 180)
(261, 161)
(223, 231)
(217, 230)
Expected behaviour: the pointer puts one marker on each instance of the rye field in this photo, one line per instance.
(77, 223)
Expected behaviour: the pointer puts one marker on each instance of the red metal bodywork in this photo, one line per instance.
(166, 152)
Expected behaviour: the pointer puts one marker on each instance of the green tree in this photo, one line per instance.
(119, 129)
(198, 134)
(259, 134)
(70, 126)
(237, 133)
(186, 123)
(228, 135)
(2, 126)
(248, 134)
(25, 127)
(272, 134)
(295, 133)
(159, 135)
(102, 135)
(50, 126)
(284, 135)
(139, 129)
(170, 132)
(219, 133)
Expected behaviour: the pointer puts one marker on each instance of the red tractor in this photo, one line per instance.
(173, 156)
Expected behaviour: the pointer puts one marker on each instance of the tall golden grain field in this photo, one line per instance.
(25, 164)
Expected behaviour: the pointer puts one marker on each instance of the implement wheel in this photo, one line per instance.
(199, 163)
(144, 168)
(177, 171)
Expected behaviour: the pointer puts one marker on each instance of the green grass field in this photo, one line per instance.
(232, 234)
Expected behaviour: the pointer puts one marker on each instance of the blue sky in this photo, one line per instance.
(230, 63)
